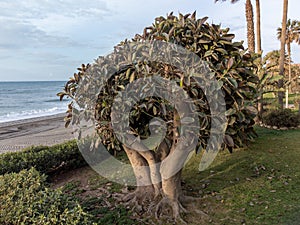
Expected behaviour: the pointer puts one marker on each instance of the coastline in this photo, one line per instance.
(46, 130)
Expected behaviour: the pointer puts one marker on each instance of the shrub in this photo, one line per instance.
(297, 104)
(25, 199)
(282, 118)
(45, 159)
(229, 63)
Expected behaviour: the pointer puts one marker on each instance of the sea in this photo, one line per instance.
(24, 100)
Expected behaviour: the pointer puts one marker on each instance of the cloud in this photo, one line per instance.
(20, 35)
(39, 9)
(55, 36)
(45, 32)
(44, 23)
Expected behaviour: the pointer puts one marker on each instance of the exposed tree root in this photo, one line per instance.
(184, 199)
(138, 200)
(143, 201)
(176, 208)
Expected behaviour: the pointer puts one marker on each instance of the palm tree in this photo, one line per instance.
(292, 35)
(258, 30)
(273, 57)
(295, 68)
(260, 108)
(251, 40)
(250, 24)
(282, 52)
(298, 40)
(271, 62)
(268, 74)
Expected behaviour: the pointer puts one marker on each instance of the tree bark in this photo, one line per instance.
(282, 52)
(159, 184)
(258, 30)
(250, 26)
(290, 60)
(259, 51)
(260, 107)
(145, 189)
(288, 88)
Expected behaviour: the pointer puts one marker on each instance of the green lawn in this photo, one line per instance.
(271, 99)
(256, 185)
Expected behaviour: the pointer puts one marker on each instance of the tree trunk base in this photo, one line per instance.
(139, 199)
(176, 207)
(157, 195)
(143, 201)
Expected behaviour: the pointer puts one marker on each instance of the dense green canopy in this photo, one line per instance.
(228, 62)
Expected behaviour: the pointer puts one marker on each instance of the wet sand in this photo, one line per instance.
(20, 134)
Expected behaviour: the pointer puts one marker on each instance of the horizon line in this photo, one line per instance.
(33, 81)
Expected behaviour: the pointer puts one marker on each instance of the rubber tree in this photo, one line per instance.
(228, 62)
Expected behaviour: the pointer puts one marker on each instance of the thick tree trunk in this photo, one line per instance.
(158, 175)
(282, 53)
(145, 190)
(172, 196)
(250, 26)
(154, 196)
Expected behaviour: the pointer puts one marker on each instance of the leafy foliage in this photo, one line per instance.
(25, 199)
(292, 33)
(268, 73)
(43, 158)
(229, 63)
(282, 118)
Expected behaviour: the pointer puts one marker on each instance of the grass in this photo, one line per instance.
(293, 98)
(105, 215)
(272, 100)
(256, 185)
(94, 194)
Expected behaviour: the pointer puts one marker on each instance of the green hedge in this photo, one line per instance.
(282, 118)
(45, 159)
(25, 199)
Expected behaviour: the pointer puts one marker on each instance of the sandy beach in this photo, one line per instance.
(20, 134)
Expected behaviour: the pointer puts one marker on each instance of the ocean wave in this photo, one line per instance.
(30, 100)
(13, 116)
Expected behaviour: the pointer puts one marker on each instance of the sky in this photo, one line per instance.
(48, 39)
